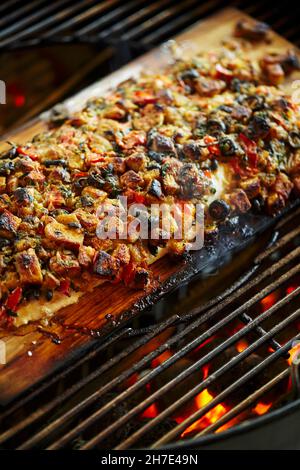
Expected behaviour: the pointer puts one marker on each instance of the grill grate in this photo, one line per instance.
(140, 24)
(62, 426)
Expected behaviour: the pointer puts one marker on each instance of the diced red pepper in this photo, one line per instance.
(128, 273)
(223, 73)
(143, 97)
(134, 197)
(64, 287)
(80, 174)
(250, 148)
(13, 299)
(207, 173)
(235, 164)
(27, 154)
(212, 145)
(97, 160)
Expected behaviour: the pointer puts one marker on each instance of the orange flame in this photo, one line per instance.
(211, 416)
(242, 345)
(262, 408)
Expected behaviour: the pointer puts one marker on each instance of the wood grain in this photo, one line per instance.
(31, 355)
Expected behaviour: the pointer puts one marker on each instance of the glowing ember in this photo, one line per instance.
(291, 289)
(19, 100)
(262, 408)
(242, 345)
(150, 412)
(205, 371)
(211, 416)
(160, 359)
(269, 301)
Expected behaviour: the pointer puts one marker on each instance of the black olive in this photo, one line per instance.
(49, 295)
(190, 74)
(214, 164)
(219, 210)
(80, 182)
(12, 153)
(236, 84)
(215, 126)
(255, 102)
(74, 225)
(95, 179)
(258, 127)
(154, 166)
(201, 130)
(290, 62)
(227, 146)
(49, 163)
(158, 157)
(226, 109)
(294, 139)
(155, 188)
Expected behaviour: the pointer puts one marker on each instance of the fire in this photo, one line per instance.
(150, 412)
(242, 345)
(211, 416)
(205, 371)
(293, 352)
(262, 408)
(268, 301)
(291, 289)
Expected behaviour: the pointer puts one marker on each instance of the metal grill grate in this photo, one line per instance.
(139, 24)
(59, 422)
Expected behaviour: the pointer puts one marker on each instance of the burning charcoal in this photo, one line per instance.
(247, 364)
(178, 391)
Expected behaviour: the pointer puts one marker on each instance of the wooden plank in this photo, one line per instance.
(31, 355)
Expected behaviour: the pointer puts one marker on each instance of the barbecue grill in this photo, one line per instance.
(213, 365)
